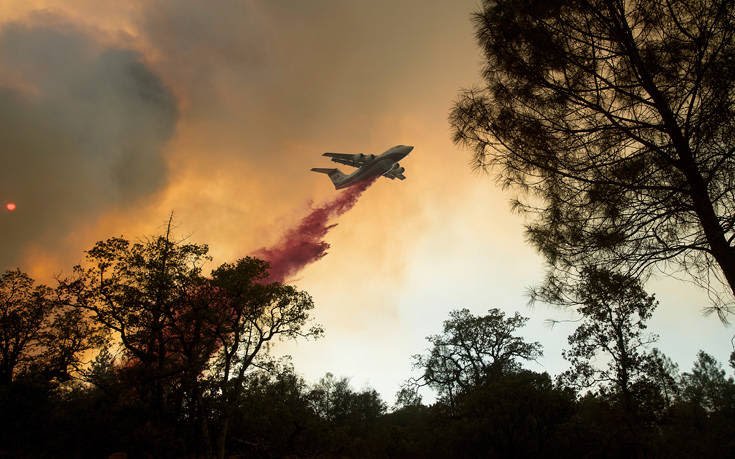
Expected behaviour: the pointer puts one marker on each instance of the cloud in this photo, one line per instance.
(82, 129)
(263, 76)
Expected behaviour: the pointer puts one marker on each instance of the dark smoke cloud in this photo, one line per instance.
(304, 243)
(82, 128)
(265, 75)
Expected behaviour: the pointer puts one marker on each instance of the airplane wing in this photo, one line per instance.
(354, 160)
(395, 174)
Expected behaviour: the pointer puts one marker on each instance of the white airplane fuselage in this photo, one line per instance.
(375, 167)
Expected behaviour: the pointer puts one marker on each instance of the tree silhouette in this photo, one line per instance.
(616, 120)
(187, 340)
(663, 374)
(40, 336)
(222, 394)
(614, 309)
(472, 349)
(707, 386)
(254, 314)
(24, 307)
(349, 418)
(135, 291)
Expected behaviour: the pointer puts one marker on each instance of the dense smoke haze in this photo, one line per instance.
(82, 129)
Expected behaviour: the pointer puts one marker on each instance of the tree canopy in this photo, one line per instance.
(191, 406)
(614, 310)
(614, 119)
(186, 341)
(39, 333)
(471, 350)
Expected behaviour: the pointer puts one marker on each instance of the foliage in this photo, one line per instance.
(614, 309)
(470, 350)
(663, 374)
(187, 341)
(23, 310)
(615, 120)
(39, 334)
(707, 386)
(254, 314)
(275, 413)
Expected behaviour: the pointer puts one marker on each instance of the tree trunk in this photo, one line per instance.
(6, 372)
(222, 437)
(721, 250)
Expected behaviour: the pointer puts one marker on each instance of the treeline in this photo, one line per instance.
(139, 352)
(173, 351)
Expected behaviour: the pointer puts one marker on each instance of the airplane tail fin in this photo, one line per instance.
(335, 175)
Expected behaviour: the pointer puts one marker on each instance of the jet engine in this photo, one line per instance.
(399, 170)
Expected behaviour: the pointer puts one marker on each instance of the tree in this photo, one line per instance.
(517, 414)
(42, 343)
(135, 291)
(24, 307)
(274, 418)
(663, 373)
(188, 340)
(472, 349)
(614, 309)
(254, 314)
(39, 335)
(334, 400)
(707, 386)
(615, 119)
(349, 418)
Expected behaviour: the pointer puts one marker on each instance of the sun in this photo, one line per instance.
(10, 206)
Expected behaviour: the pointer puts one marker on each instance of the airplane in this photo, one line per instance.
(385, 164)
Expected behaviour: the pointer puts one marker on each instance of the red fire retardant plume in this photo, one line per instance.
(304, 243)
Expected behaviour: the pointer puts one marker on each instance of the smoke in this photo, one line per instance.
(82, 131)
(304, 243)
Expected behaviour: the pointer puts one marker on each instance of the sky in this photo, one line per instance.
(115, 114)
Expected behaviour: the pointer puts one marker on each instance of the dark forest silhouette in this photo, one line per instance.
(612, 119)
(180, 368)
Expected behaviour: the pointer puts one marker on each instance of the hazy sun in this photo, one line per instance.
(10, 206)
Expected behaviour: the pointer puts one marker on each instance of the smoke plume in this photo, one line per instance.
(304, 243)
(82, 131)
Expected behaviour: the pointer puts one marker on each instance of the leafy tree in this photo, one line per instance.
(472, 349)
(616, 119)
(517, 414)
(24, 307)
(40, 337)
(334, 400)
(42, 343)
(614, 309)
(135, 291)
(349, 418)
(274, 417)
(253, 315)
(187, 340)
(664, 375)
(707, 386)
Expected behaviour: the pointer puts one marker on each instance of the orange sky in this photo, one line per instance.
(260, 90)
